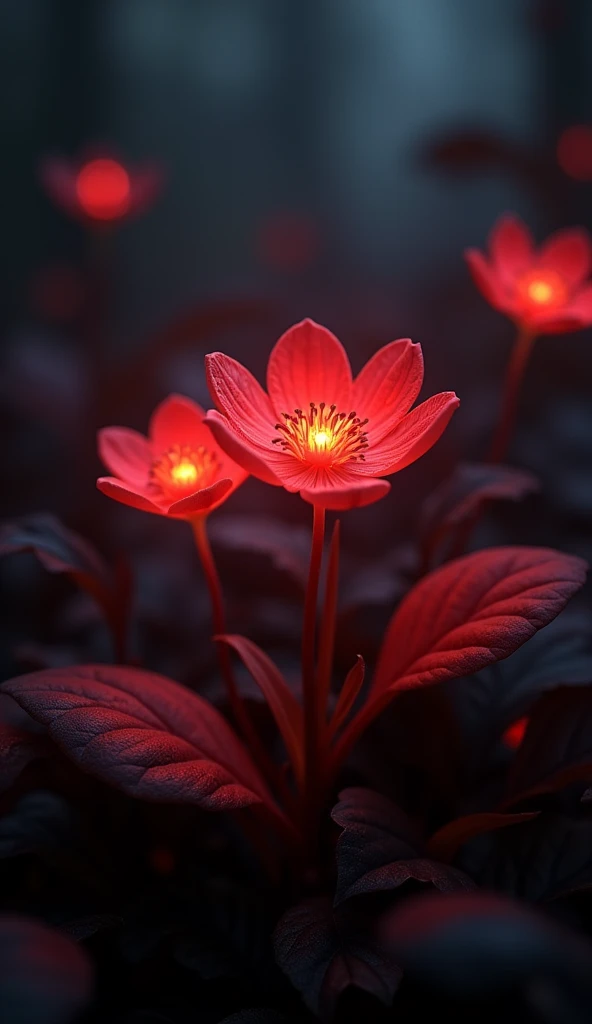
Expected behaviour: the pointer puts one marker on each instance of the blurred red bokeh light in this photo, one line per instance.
(103, 189)
(574, 152)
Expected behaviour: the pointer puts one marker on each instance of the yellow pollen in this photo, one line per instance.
(540, 291)
(320, 440)
(182, 470)
(184, 473)
(323, 436)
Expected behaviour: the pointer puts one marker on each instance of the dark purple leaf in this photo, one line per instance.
(446, 842)
(378, 850)
(487, 703)
(457, 499)
(143, 733)
(542, 859)
(17, 749)
(45, 978)
(476, 944)
(58, 549)
(266, 549)
(41, 821)
(323, 953)
(557, 746)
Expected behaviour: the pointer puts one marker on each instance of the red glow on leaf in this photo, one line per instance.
(514, 734)
(103, 189)
(574, 152)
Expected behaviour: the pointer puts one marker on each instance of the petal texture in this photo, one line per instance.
(308, 364)
(126, 453)
(511, 248)
(250, 456)
(569, 253)
(202, 501)
(178, 420)
(241, 398)
(344, 492)
(419, 430)
(387, 386)
(126, 496)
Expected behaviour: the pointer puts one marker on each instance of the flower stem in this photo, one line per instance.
(327, 640)
(239, 711)
(514, 377)
(312, 752)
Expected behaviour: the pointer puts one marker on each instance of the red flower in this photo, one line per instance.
(318, 431)
(178, 470)
(545, 290)
(101, 188)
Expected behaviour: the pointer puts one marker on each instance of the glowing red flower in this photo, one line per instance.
(545, 290)
(178, 470)
(318, 431)
(100, 188)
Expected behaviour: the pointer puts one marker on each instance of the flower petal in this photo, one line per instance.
(178, 420)
(414, 436)
(581, 304)
(240, 448)
(308, 364)
(241, 398)
(487, 280)
(126, 453)
(387, 386)
(574, 316)
(126, 496)
(569, 253)
(511, 248)
(203, 500)
(344, 491)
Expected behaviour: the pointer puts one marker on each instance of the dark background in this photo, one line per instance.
(312, 167)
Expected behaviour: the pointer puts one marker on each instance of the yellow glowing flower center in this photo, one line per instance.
(323, 436)
(182, 470)
(540, 291)
(542, 288)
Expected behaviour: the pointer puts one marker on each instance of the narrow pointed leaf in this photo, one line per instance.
(282, 703)
(446, 842)
(143, 733)
(352, 685)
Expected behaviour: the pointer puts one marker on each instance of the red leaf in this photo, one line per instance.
(472, 612)
(445, 843)
(352, 685)
(143, 733)
(282, 703)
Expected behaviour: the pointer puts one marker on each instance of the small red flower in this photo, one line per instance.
(101, 188)
(178, 470)
(318, 431)
(545, 290)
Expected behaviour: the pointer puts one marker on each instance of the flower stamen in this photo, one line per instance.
(323, 436)
(182, 470)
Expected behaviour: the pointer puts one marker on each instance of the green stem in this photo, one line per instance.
(514, 377)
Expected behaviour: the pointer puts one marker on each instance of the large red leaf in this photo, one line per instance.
(143, 733)
(473, 611)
